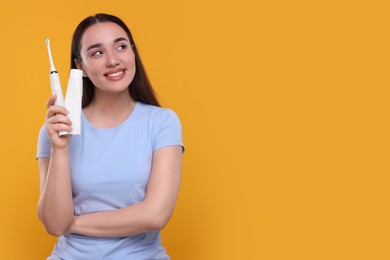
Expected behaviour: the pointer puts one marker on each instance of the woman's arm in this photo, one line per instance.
(150, 214)
(55, 206)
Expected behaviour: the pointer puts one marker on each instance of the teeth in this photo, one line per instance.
(116, 74)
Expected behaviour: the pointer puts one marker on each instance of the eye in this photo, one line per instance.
(96, 53)
(122, 47)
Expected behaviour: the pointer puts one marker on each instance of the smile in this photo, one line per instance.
(114, 74)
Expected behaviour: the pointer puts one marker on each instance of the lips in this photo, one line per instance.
(116, 74)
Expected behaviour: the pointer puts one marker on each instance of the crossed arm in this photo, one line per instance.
(55, 206)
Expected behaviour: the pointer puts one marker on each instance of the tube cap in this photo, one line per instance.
(76, 73)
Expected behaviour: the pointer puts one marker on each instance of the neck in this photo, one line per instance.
(109, 109)
(108, 102)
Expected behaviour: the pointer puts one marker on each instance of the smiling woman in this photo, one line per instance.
(106, 58)
(140, 88)
(113, 187)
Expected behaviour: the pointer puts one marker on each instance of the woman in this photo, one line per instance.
(107, 192)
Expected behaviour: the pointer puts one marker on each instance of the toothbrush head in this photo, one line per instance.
(52, 68)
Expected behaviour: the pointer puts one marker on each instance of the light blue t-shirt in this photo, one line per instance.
(110, 169)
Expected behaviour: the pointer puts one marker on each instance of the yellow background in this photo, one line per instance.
(284, 106)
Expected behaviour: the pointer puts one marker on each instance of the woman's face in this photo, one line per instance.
(107, 57)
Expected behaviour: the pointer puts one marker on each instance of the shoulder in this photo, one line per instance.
(155, 113)
(164, 125)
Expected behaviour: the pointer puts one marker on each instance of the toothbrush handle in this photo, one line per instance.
(57, 90)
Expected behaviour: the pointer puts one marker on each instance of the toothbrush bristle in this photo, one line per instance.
(47, 41)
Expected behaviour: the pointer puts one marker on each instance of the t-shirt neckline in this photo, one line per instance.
(85, 119)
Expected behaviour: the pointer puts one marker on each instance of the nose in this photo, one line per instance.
(112, 59)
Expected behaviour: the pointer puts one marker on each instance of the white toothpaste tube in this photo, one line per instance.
(73, 99)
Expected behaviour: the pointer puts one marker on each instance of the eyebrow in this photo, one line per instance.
(97, 45)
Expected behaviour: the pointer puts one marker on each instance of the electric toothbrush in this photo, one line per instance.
(55, 83)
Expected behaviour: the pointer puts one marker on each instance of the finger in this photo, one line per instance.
(59, 127)
(54, 110)
(59, 118)
(51, 101)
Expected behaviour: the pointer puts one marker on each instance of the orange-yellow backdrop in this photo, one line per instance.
(284, 106)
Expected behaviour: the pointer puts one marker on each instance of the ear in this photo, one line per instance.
(79, 65)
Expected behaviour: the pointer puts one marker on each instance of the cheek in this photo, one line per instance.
(91, 69)
(131, 64)
(132, 60)
(133, 69)
(93, 73)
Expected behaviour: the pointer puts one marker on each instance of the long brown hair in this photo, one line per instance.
(140, 88)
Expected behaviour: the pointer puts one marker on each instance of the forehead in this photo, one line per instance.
(104, 33)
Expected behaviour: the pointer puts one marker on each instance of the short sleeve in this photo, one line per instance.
(44, 146)
(167, 130)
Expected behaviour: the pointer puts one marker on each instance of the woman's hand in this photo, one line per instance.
(56, 120)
